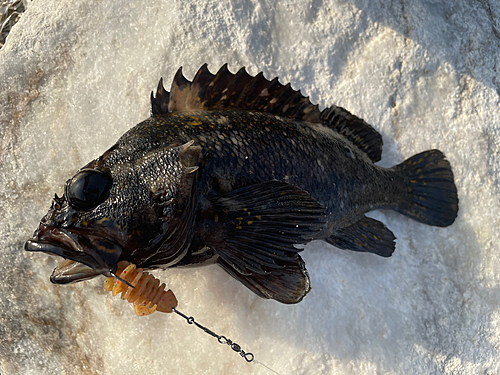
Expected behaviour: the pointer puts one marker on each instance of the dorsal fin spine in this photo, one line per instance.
(159, 104)
(178, 85)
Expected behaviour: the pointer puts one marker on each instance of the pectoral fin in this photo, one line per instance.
(288, 284)
(366, 235)
(261, 224)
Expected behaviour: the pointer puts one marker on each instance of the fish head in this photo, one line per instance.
(122, 206)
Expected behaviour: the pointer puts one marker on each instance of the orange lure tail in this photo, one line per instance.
(147, 295)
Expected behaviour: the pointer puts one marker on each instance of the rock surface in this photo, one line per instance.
(74, 76)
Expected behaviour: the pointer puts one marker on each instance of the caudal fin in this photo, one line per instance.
(432, 198)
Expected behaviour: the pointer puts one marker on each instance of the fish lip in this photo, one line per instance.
(69, 271)
(67, 244)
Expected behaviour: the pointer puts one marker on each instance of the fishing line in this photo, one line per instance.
(270, 369)
(249, 357)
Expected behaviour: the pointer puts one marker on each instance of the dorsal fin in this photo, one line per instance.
(363, 135)
(242, 91)
(227, 90)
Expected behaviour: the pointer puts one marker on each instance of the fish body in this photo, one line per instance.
(237, 170)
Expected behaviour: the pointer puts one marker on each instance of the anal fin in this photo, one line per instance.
(366, 235)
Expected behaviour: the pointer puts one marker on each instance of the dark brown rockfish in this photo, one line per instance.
(236, 170)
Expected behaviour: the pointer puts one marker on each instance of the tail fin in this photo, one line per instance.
(433, 196)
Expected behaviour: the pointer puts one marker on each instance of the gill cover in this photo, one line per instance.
(179, 208)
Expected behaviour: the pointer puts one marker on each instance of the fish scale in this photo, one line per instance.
(269, 154)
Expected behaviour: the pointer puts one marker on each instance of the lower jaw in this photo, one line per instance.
(69, 271)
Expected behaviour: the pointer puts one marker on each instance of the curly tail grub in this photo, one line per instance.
(147, 295)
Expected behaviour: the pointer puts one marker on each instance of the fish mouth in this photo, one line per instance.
(69, 271)
(87, 253)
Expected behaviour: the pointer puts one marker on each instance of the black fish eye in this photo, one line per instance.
(87, 189)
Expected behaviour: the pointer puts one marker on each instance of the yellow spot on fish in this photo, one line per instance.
(258, 217)
(100, 221)
(104, 249)
(249, 222)
(238, 227)
(216, 218)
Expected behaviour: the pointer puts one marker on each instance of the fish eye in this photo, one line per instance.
(87, 189)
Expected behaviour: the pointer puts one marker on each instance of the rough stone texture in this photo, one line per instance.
(75, 75)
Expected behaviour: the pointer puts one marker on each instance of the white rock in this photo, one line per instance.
(74, 76)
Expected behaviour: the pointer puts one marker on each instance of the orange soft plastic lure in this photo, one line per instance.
(147, 294)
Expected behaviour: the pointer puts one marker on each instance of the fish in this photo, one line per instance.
(239, 171)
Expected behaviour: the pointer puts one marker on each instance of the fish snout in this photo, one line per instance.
(87, 254)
